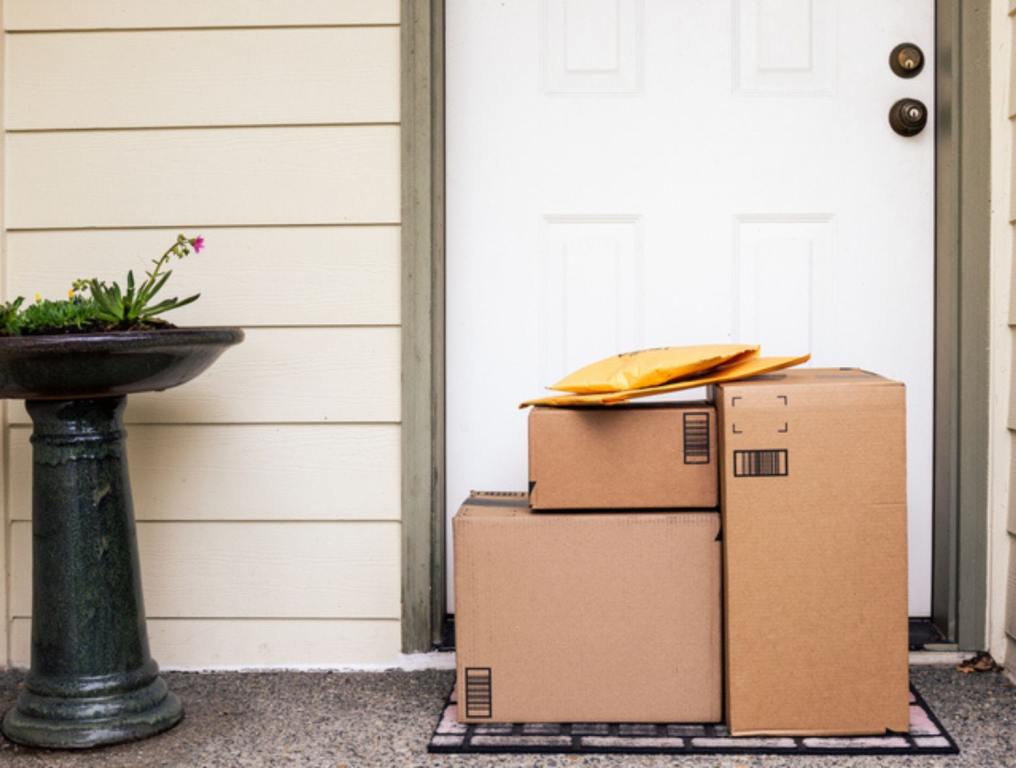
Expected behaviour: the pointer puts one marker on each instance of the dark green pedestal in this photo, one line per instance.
(92, 680)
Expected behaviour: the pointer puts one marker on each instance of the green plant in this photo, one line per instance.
(77, 314)
(132, 306)
(9, 314)
(94, 305)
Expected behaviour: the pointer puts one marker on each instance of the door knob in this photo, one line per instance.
(906, 60)
(908, 117)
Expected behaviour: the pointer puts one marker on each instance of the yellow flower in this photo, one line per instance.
(70, 293)
(38, 298)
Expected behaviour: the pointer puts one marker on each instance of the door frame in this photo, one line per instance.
(962, 272)
(962, 283)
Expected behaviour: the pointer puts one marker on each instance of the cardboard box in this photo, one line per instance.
(660, 456)
(815, 552)
(586, 617)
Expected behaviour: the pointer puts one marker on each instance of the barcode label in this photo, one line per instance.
(764, 463)
(696, 438)
(478, 692)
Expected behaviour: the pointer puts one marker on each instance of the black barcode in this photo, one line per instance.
(478, 692)
(764, 463)
(696, 438)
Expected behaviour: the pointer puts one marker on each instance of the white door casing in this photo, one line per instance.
(638, 173)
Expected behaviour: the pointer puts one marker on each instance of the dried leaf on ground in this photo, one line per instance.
(982, 662)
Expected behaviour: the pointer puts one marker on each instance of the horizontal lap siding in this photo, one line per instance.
(257, 472)
(263, 570)
(1010, 616)
(226, 77)
(267, 490)
(151, 14)
(1010, 622)
(253, 643)
(252, 276)
(284, 375)
(192, 177)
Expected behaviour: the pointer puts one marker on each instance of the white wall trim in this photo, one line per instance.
(405, 662)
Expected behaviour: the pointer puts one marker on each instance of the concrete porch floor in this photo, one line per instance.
(332, 720)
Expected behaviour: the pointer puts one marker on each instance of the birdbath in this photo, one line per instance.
(92, 679)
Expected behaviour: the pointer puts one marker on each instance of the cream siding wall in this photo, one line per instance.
(1002, 530)
(267, 491)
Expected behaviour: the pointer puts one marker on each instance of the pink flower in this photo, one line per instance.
(198, 243)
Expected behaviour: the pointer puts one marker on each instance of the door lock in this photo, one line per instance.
(908, 117)
(906, 60)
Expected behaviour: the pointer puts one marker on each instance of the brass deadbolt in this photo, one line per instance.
(906, 60)
(908, 117)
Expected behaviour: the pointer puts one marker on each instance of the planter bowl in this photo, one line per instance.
(108, 364)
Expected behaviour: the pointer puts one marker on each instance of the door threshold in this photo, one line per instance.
(925, 641)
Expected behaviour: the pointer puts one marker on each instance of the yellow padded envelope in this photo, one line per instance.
(650, 367)
(733, 372)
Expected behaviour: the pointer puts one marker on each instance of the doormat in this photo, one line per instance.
(926, 737)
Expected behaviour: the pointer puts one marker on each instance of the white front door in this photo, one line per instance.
(639, 173)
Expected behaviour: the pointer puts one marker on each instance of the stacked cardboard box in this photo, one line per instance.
(598, 596)
(623, 457)
(602, 617)
(814, 526)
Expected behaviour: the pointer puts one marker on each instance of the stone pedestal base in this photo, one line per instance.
(92, 679)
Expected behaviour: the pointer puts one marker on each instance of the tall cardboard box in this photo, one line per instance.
(660, 456)
(814, 525)
(586, 617)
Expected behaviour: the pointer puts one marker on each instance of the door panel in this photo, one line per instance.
(635, 173)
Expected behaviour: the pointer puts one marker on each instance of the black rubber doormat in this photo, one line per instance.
(926, 737)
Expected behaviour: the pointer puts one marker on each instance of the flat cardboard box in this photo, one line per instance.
(815, 552)
(586, 617)
(660, 456)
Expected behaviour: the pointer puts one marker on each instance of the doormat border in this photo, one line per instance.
(452, 737)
